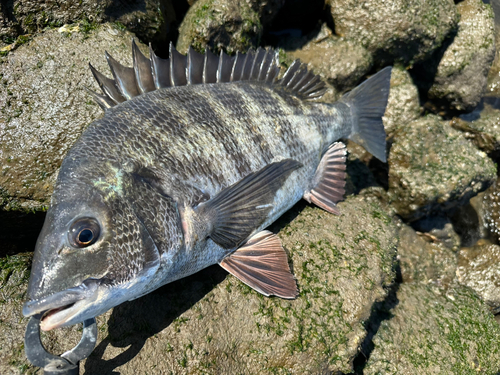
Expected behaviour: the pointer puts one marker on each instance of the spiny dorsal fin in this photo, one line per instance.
(194, 68)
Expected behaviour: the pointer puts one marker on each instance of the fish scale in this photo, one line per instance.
(190, 174)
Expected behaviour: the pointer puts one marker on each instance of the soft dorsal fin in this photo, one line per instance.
(153, 73)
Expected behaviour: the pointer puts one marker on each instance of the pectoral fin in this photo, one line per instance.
(329, 179)
(262, 264)
(239, 209)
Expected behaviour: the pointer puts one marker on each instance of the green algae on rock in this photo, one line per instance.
(461, 76)
(44, 107)
(221, 24)
(430, 333)
(406, 31)
(433, 167)
(478, 268)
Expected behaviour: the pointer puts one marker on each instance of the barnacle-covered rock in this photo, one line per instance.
(433, 167)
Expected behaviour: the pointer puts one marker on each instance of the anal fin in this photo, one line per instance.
(329, 180)
(262, 265)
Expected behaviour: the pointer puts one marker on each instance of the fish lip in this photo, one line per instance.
(64, 299)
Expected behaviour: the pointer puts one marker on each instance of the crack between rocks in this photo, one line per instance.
(381, 311)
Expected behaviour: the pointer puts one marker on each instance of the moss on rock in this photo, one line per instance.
(430, 333)
(220, 24)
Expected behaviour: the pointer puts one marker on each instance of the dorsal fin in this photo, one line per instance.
(153, 73)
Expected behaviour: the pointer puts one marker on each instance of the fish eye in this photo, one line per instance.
(84, 232)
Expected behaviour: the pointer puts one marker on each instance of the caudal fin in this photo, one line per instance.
(367, 103)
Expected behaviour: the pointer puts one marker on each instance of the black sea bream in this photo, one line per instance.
(195, 156)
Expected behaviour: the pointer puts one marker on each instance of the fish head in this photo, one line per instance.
(92, 254)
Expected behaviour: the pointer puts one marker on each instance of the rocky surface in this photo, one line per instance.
(148, 19)
(430, 333)
(406, 31)
(351, 61)
(482, 126)
(425, 258)
(44, 107)
(404, 104)
(461, 75)
(432, 167)
(478, 268)
(491, 207)
(225, 24)
(211, 322)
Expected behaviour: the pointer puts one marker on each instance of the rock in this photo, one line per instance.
(429, 333)
(425, 259)
(44, 107)
(340, 62)
(213, 322)
(148, 19)
(225, 24)
(461, 76)
(482, 126)
(478, 268)
(491, 205)
(403, 105)
(493, 87)
(406, 31)
(433, 167)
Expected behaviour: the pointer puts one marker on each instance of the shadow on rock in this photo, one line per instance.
(19, 231)
(132, 323)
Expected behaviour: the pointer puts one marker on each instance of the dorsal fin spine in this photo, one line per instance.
(194, 68)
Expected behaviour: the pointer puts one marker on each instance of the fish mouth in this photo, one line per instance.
(60, 307)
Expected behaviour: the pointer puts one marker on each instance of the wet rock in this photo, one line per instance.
(407, 31)
(478, 268)
(148, 19)
(213, 322)
(433, 167)
(225, 24)
(482, 126)
(438, 229)
(461, 75)
(425, 259)
(491, 205)
(403, 105)
(44, 107)
(429, 333)
(340, 62)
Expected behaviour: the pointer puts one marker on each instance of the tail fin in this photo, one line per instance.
(367, 103)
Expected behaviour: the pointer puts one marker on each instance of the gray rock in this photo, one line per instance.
(430, 333)
(478, 268)
(340, 62)
(403, 105)
(425, 259)
(491, 206)
(44, 107)
(461, 76)
(225, 24)
(211, 322)
(482, 126)
(433, 167)
(149, 19)
(406, 31)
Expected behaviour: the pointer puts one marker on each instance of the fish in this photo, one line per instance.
(194, 157)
